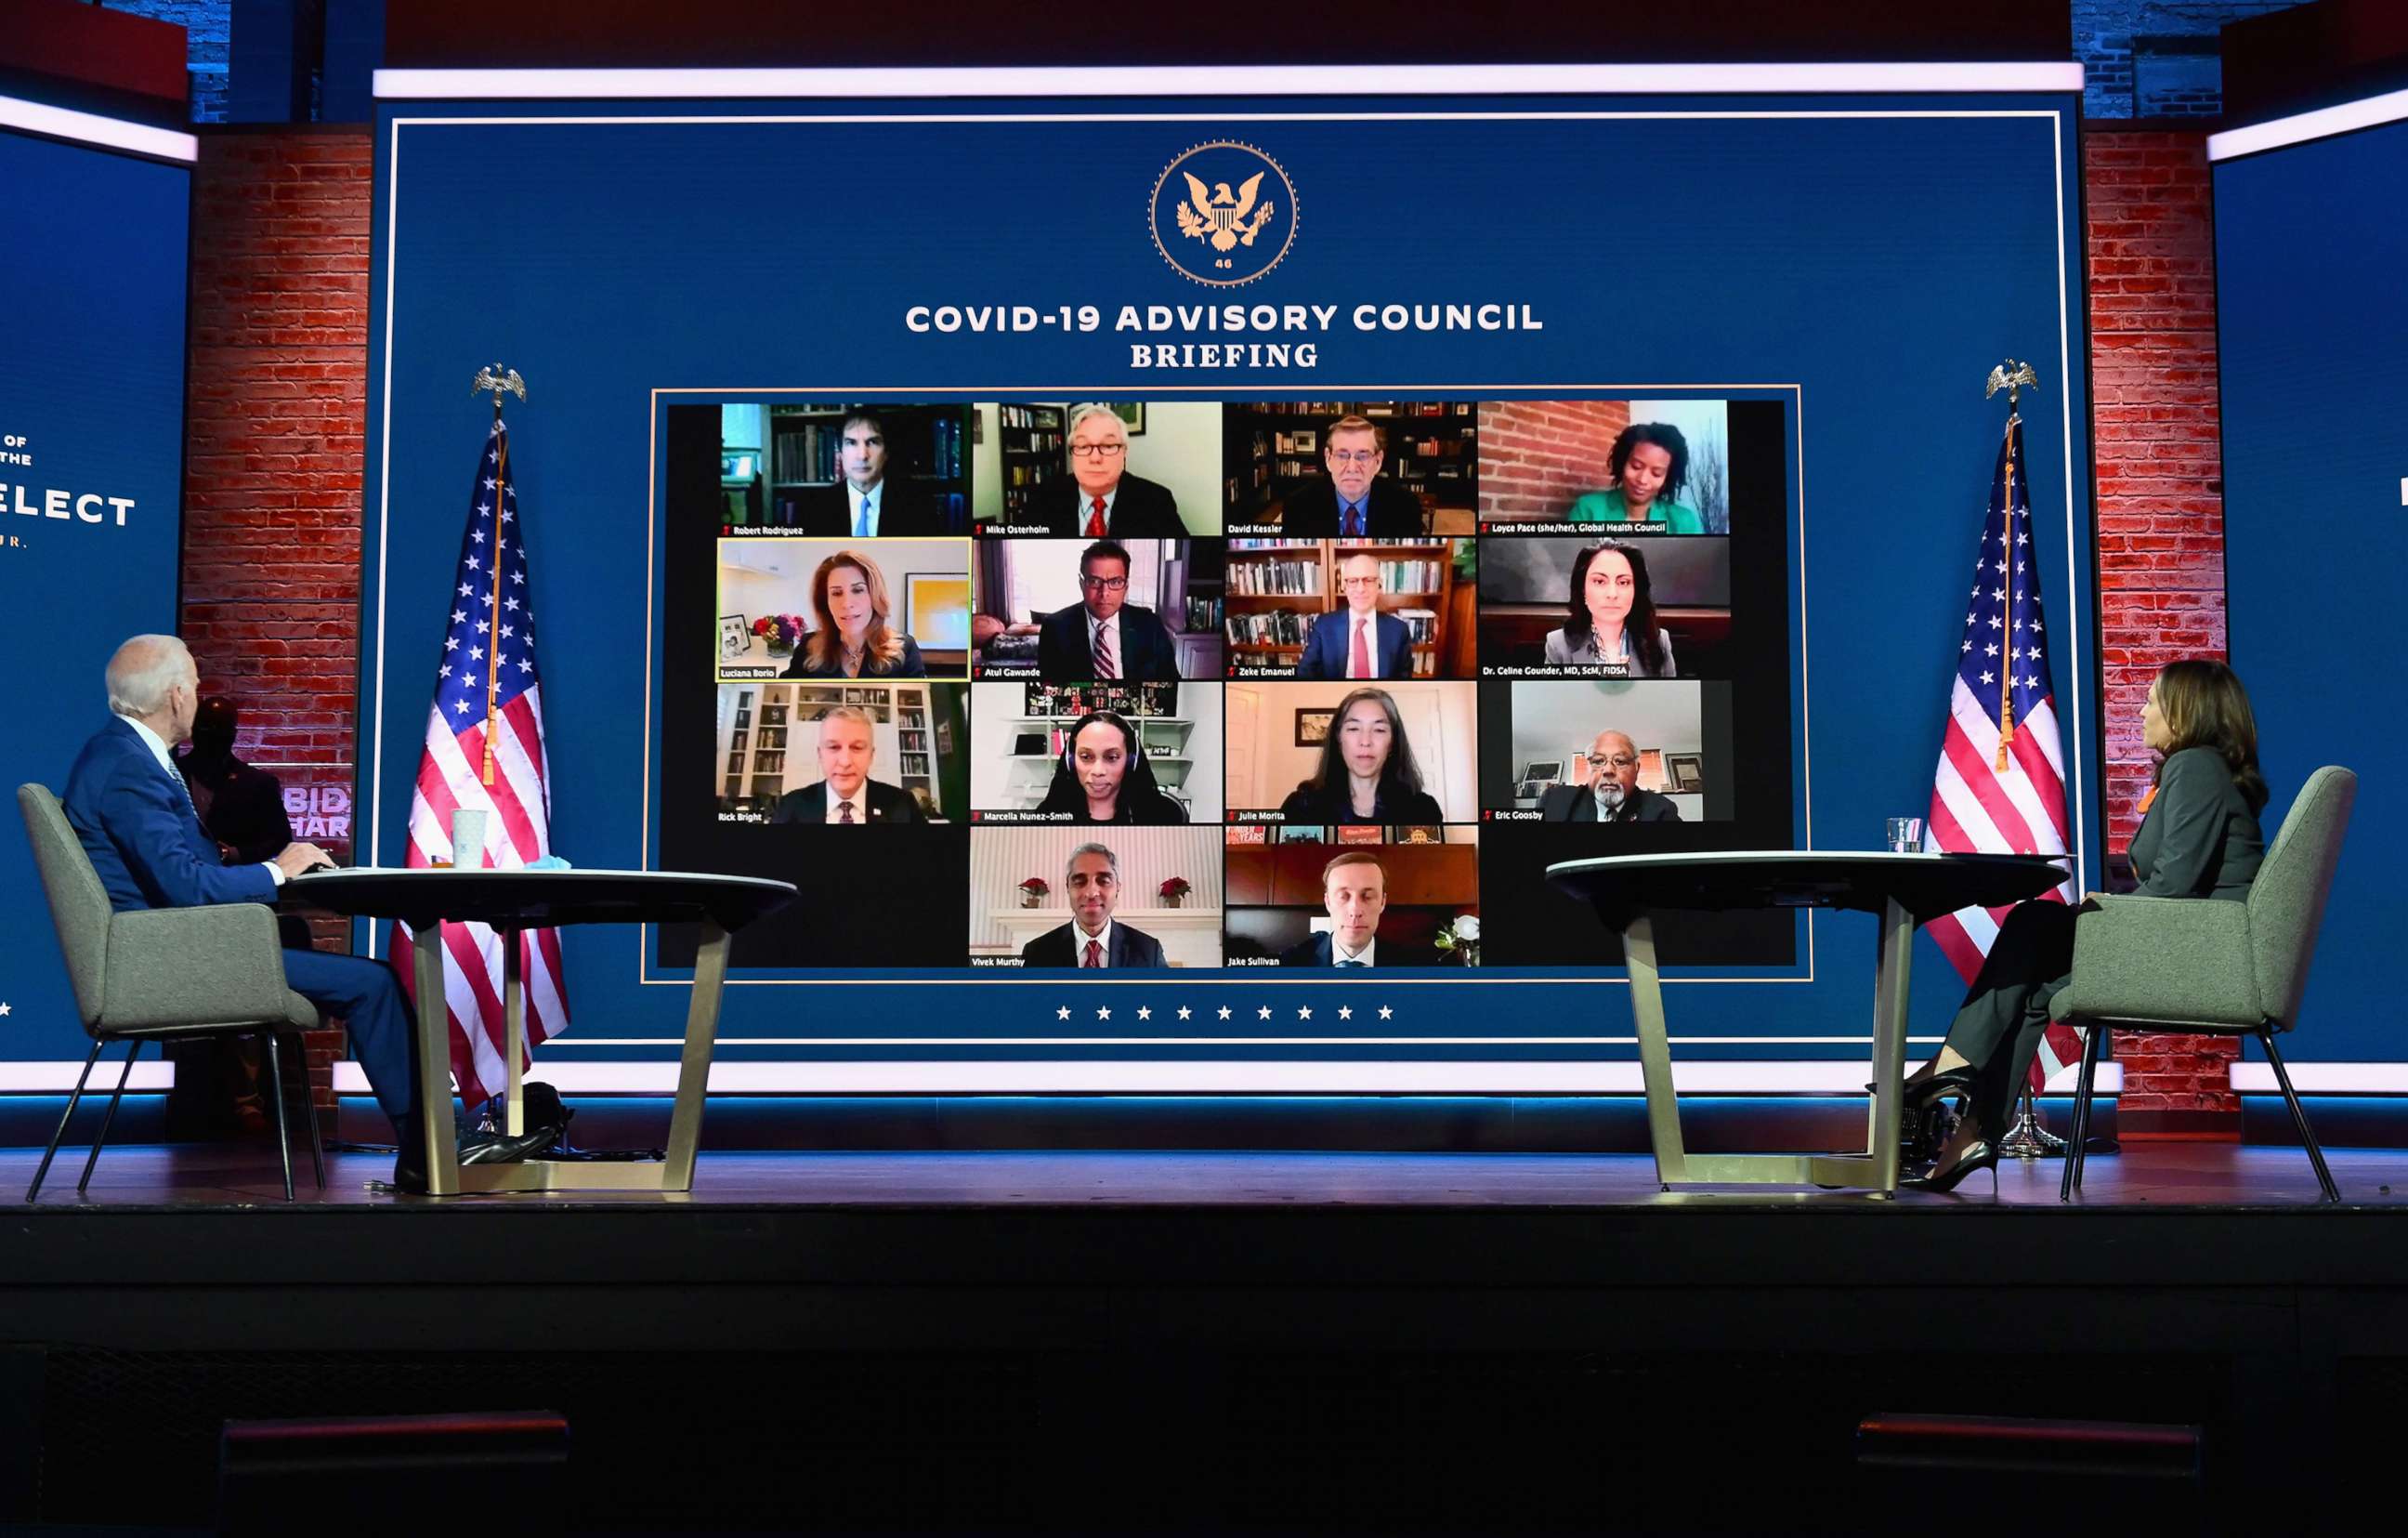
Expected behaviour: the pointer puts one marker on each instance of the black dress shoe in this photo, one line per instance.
(502, 1148)
(410, 1170)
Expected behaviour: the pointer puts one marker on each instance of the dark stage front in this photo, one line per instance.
(1224, 1342)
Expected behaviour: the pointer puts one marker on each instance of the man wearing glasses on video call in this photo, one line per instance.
(1358, 642)
(1353, 503)
(1104, 636)
(1612, 793)
(1101, 500)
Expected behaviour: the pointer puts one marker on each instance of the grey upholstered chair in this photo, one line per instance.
(162, 974)
(2224, 968)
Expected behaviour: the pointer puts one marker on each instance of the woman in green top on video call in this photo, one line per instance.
(1650, 464)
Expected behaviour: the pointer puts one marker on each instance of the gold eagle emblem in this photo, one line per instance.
(1218, 216)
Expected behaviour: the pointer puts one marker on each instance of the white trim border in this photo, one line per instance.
(60, 123)
(59, 1078)
(1155, 81)
(2324, 1078)
(1055, 1077)
(2300, 127)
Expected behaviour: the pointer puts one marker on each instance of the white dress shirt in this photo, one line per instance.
(158, 747)
(858, 800)
(1338, 951)
(1079, 938)
(1087, 505)
(854, 498)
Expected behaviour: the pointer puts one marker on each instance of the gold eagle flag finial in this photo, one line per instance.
(1218, 216)
(2010, 377)
(500, 381)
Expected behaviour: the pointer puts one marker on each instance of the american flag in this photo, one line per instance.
(485, 749)
(2001, 786)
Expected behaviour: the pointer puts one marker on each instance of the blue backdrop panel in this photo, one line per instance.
(2311, 241)
(1864, 261)
(91, 432)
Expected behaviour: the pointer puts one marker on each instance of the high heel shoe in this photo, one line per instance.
(1980, 1154)
(1915, 1092)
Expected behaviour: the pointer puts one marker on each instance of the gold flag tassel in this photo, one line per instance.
(498, 380)
(2006, 691)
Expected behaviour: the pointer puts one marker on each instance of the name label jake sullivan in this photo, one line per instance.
(1273, 330)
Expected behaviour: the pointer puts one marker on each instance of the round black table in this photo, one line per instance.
(512, 902)
(1905, 889)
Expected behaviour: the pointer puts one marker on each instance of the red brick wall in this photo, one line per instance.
(1536, 455)
(2160, 519)
(278, 403)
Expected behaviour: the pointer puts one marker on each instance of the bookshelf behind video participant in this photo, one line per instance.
(1351, 469)
(848, 471)
(1046, 753)
(1363, 609)
(1121, 470)
(900, 740)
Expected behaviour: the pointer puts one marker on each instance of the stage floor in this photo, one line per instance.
(2214, 1175)
(1259, 1343)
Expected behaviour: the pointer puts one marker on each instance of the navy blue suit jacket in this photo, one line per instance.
(1332, 636)
(1064, 656)
(146, 846)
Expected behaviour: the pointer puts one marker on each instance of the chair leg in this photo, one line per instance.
(2298, 1116)
(110, 1119)
(276, 1090)
(52, 1151)
(310, 1114)
(2078, 1135)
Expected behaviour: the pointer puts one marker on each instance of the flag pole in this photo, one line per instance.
(499, 380)
(2027, 1138)
(2011, 376)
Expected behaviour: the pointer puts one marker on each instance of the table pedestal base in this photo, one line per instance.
(1875, 1170)
(444, 1174)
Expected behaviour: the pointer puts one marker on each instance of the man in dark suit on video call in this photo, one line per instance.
(845, 794)
(1353, 503)
(1358, 642)
(867, 502)
(1093, 939)
(1101, 500)
(1612, 793)
(1104, 636)
(1355, 889)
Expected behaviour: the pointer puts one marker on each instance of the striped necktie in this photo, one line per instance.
(1106, 666)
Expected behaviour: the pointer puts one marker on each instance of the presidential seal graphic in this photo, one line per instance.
(1223, 213)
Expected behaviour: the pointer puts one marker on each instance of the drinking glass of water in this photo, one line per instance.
(1905, 834)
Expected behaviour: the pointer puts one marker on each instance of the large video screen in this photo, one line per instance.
(1137, 684)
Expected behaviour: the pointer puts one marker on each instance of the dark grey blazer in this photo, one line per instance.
(2198, 838)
